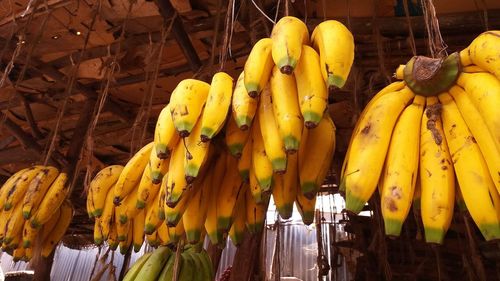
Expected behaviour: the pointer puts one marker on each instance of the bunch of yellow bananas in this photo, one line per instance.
(422, 132)
(194, 264)
(34, 212)
(190, 181)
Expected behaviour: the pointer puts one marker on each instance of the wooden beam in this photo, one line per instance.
(168, 13)
(18, 154)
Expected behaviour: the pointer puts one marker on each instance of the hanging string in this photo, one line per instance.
(277, 11)
(262, 12)
(410, 28)
(286, 8)
(225, 43)
(437, 46)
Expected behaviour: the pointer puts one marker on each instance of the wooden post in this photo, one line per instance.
(246, 259)
(42, 267)
(215, 253)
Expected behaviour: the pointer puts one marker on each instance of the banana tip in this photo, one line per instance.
(204, 138)
(117, 200)
(286, 69)
(253, 94)
(310, 125)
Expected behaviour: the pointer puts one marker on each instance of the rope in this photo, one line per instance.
(410, 28)
(262, 12)
(437, 47)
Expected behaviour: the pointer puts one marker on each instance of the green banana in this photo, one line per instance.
(155, 263)
(136, 268)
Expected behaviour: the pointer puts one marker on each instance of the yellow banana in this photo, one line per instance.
(176, 182)
(255, 213)
(285, 187)
(245, 161)
(306, 207)
(176, 233)
(315, 156)
(288, 35)
(243, 106)
(286, 109)
(126, 244)
(113, 237)
(401, 167)
(16, 193)
(174, 214)
(123, 229)
(211, 219)
(229, 192)
(484, 50)
(273, 144)
(52, 201)
(470, 168)
(147, 190)
(186, 102)
(29, 234)
(138, 230)
(50, 225)
(368, 148)
(258, 196)
(4, 218)
(311, 88)
(163, 235)
(59, 230)
(131, 174)
(166, 136)
(335, 45)
(127, 209)
(235, 138)
(100, 186)
(153, 216)
(157, 167)
(14, 224)
(98, 238)
(108, 214)
(37, 189)
(217, 106)
(8, 185)
(437, 178)
(258, 68)
(196, 211)
(472, 117)
(261, 164)
(237, 231)
(483, 90)
(196, 153)
(18, 254)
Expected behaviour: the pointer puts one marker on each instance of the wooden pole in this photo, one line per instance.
(246, 259)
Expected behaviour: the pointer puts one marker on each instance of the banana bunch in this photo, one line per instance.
(163, 264)
(34, 211)
(439, 131)
(302, 71)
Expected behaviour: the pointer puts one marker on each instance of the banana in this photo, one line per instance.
(155, 214)
(285, 187)
(186, 102)
(235, 138)
(123, 229)
(483, 51)
(211, 218)
(176, 182)
(484, 92)
(196, 153)
(28, 254)
(138, 230)
(401, 168)
(245, 161)
(306, 207)
(261, 164)
(187, 272)
(196, 211)
(286, 109)
(311, 89)
(176, 233)
(152, 268)
(50, 225)
(52, 200)
(168, 270)
(108, 214)
(59, 230)
(4, 218)
(37, 189)
(316, 155)
(15, 243)
(472, 117)
(237, 230)
(147, 190)
(258, 196)
(368, 148)
(100, 185)
(14, 224)
(8, 185)
(174, 214)
(163, 235)
(98, 238)
(127, 210)
(243, 106)
(113, 237)
(229, 193)
(16, 193)
(127, 243)
(255, 213)
(437, 178)
(335, 45)
(131, 174)
(217, 106)
(153, 239)
(258, 69)
(288, 35)
(29, 235)
(90, 207)
(470, 168)
(200, 272)
(136, 268)
(157, 167)
(18, 254)
(273, 143)
(166, 136)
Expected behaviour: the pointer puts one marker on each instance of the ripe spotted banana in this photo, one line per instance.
(243, 106)
(288, 35)
(258, 69)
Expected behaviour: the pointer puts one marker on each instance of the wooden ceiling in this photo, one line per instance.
(59, 58)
